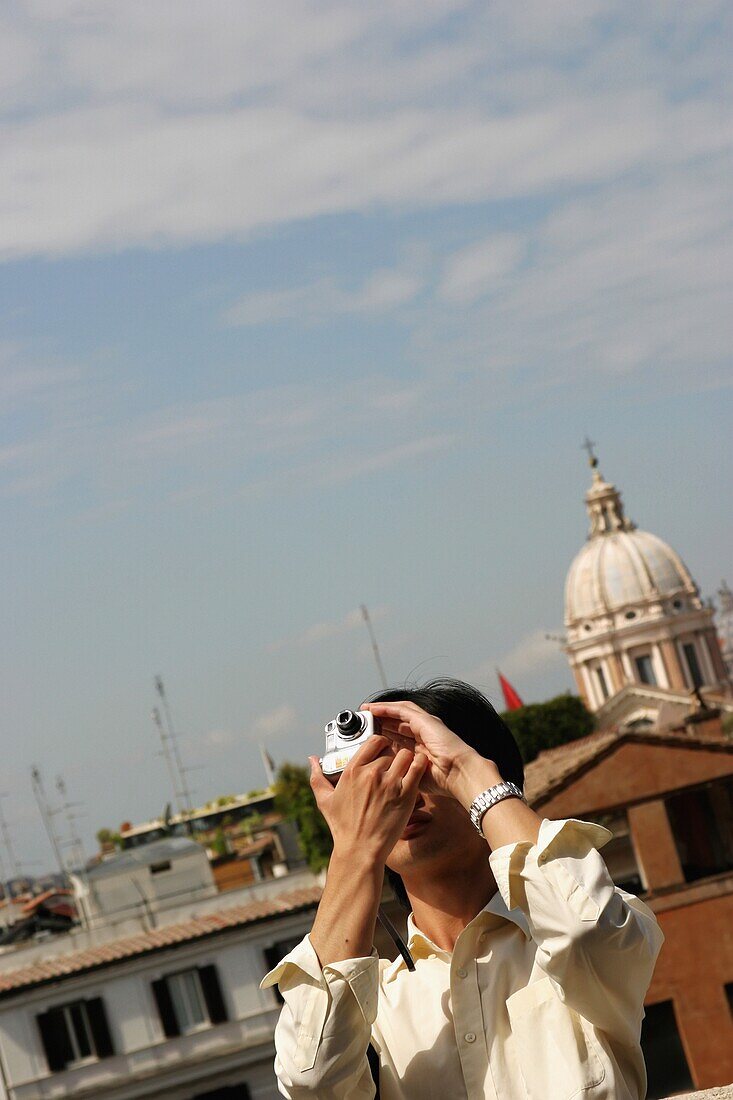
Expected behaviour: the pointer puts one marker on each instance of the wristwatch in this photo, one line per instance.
(488, 798)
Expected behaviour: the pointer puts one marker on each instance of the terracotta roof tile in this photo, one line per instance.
(554, 766)
(77, 962)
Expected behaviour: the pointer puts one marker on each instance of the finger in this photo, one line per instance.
(400, 766)
(403, 711)
(390, 727)
(320, 784)
(415, 772)
(397, 730)
(402, 704)
(373, 747)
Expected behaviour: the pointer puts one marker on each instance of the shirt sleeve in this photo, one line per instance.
(597, 943)
(323, 1032)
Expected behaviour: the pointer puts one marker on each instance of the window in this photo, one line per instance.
(75, 1032)
(666, 1064)
(619, 855)
(189, 1000)
(702, 826)
(276, 952)
(645, 669)
(602, 682)
(693, 665)
(157, 868)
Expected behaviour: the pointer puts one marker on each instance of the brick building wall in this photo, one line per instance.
(635, 775)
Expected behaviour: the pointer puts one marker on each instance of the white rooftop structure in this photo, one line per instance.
(154, 877)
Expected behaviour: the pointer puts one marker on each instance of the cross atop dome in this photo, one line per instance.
(588, 445)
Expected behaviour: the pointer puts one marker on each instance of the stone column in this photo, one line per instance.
(672, 664)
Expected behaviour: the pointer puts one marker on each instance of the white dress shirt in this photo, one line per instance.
(541, 998)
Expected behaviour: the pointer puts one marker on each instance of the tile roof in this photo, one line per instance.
(58, 967)
(553, 767)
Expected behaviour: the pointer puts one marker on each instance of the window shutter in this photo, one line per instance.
(97, 1017)
(165, 1008)
(55, 1039)
(212, 994)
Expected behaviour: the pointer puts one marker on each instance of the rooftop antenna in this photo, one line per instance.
(47, 816)
(173, 740)
(7, 897)
(15, 868)
(75, 845)
(375, 647)
(77, 862)
(167, 754)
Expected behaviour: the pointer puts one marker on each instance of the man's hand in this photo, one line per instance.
(451, 760)
(369, 807)
(367, 812)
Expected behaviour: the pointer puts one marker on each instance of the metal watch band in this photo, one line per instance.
(488, 798)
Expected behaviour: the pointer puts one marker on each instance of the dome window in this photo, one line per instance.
(587, 626)
(630, 615)
(676, 604)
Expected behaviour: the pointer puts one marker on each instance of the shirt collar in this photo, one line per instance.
(420, 944)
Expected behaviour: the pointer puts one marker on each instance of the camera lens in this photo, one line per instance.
(349, 723)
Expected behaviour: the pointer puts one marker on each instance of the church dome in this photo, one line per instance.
(620, 567)
(623, 569)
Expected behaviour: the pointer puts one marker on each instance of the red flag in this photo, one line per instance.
(512, 700)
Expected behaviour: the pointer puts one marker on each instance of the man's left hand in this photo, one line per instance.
(449, 758)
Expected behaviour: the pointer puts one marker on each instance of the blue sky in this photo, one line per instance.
(307, 305)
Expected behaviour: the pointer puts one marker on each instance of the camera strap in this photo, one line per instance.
(400, 944)
(373, 1060)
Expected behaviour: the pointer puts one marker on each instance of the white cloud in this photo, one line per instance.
(479, 268)
(275, 722)
(217, 740)
(327, 629)
(235, 118)
(532, 654)
(629, 278)
(382, 291)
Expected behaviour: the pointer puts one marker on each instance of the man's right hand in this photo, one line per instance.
(369, 807)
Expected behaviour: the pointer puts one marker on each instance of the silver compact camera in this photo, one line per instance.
(344, 736)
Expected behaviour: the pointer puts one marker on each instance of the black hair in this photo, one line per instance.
(470, 715)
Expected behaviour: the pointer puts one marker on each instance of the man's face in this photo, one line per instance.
(439, 831)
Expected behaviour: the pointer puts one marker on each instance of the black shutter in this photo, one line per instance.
(99, 1027)
(212, 994)
(165, 1008)
(55, 1039)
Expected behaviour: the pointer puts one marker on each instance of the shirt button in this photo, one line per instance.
(470, 1037)
(461, 972)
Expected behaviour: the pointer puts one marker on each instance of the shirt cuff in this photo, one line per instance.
(362, 974)
(303, 957)
(556, 839)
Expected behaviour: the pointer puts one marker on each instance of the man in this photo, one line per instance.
(530, 966)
